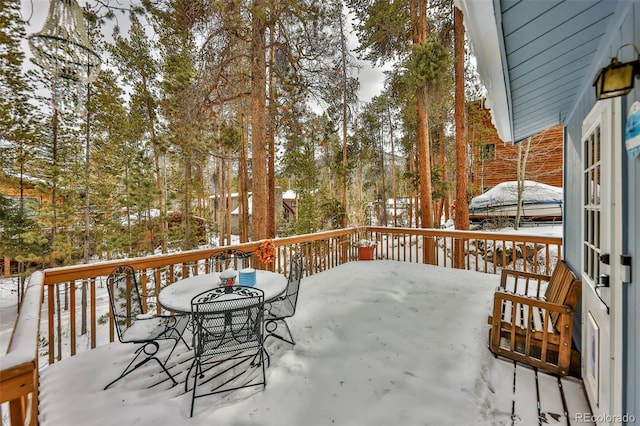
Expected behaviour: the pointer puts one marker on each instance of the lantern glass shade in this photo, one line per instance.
(62, 47)
(615, 80)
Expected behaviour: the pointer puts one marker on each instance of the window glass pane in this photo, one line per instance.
(596, 157)
(591, 206)
(597, 185)
(488, 151)
(596, 229)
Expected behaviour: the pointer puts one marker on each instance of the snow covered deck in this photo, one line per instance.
(378, 342)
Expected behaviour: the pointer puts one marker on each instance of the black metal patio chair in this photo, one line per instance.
(227, 341)
(135, 326)
(231, 258)
(284, 307)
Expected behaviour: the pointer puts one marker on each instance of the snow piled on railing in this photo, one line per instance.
(23, 344)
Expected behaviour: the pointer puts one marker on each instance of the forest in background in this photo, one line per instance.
(201, 99)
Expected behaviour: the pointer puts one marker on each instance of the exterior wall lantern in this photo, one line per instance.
(616, 79)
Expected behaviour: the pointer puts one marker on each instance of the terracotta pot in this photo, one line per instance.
(366, 253)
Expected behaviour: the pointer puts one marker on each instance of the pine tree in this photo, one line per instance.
(135, 58)
(19, 237)
(17, 114)
(114, 147)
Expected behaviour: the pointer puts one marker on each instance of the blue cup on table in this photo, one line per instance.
(247, 277)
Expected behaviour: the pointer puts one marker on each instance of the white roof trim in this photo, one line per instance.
(480, 23)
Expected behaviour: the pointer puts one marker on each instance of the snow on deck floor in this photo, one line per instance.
(378, 343)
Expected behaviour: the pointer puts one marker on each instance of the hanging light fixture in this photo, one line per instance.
(62, 48)
(616, 79)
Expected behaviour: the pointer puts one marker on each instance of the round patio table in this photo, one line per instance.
(177, 296)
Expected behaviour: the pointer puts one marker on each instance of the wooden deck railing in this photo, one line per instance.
(73, 308)
(481, 251)
(19, 367)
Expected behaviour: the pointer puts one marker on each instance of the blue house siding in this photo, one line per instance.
(573, 201)
(627, 31)
(632, 293)
(630, 30)
(572, 223)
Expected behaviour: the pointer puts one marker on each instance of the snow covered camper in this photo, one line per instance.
(539, 202)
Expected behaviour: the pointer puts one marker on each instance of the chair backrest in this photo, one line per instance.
(560, 285)
(124, 297)
(563, 288)
(290, 301)
(227, 319)
(235, 259)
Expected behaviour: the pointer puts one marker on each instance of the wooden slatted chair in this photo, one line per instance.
(532, 318)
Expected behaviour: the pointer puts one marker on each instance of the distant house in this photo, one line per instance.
(235, 209)
(289, 204)
(10, 188)
(219, 205)
(175, 222)
(494, 161)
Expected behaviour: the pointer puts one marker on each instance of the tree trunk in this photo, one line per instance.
(128, 208)
(187, 198)
(462, 206)
(424, 165)
(413, 200)
(258, 125)
(87, 176)
(243, 212)
(229, 202)
(221, 196)
(160, 182)
(224, 201)
(343, 49)
(87, 217)
(394, 188)
(419, 25)
(357, 185)
(271, 138)
(383, 190)
(521, 169)
(54, 187)
(443, 167)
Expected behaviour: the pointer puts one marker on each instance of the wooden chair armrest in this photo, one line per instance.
(501, 294)
(531, 312)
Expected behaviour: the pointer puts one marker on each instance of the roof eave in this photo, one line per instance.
(480, 24)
